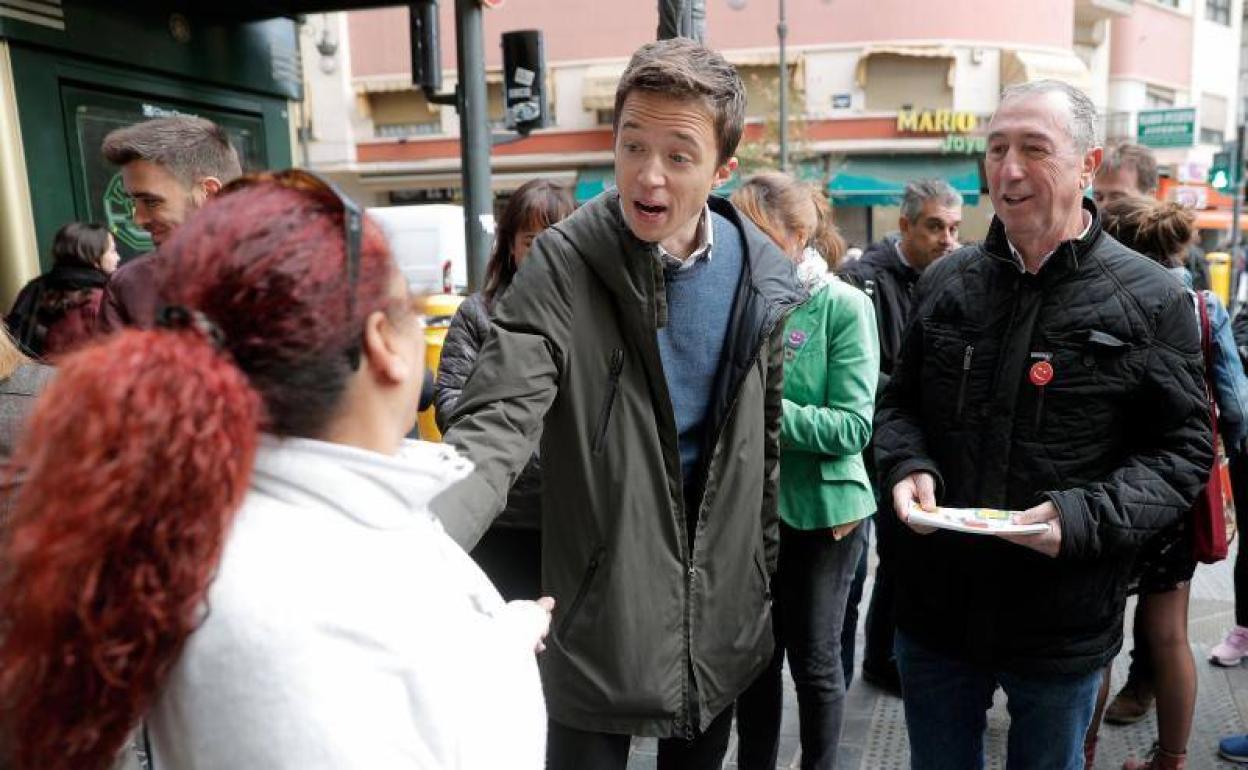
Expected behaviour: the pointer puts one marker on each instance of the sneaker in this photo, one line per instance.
(1131, 704)
(1232, 649)
(1234, 748)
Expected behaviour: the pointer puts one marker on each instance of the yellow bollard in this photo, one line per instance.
(439, 310)
(1220, 275)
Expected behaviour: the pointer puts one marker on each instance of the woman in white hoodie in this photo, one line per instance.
(223, 535)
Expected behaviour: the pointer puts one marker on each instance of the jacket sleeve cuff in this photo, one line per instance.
(1076, 524)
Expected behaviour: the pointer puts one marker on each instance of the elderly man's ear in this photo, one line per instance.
(1091, 163)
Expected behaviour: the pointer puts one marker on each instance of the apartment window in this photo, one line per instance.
(604, 117)
(897, 82)
(1218, 11)
(399, 114)
(762, 90)
(404, 130)
(1213, 116)
(1156, 97)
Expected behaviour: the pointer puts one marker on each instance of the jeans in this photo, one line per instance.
(570, 749)
(809, 591)
(849, 627)
(947, 703)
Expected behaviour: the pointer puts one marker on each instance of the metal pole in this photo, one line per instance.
(474, 137)
(782, 31)
(671, 17)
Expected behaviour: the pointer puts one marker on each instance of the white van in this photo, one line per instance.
(428, 243)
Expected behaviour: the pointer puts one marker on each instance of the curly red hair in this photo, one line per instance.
(139, 453)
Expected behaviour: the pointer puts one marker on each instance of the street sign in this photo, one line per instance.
(1167, 128)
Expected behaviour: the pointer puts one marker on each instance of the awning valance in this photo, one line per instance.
(916, 52)
(1025, 66)
(880, 180)
(598, 86)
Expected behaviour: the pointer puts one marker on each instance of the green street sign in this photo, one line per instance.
(1167, 128)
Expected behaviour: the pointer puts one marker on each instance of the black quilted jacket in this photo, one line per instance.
(469, 329)
(1119, 440)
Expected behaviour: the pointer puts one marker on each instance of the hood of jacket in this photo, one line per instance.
(377, 490)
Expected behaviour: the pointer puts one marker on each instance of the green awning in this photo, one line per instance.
(880, 180)
(592, 181)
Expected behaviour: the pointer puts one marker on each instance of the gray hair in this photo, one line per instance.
(921, 191)
(1082, 128)
(190, 148)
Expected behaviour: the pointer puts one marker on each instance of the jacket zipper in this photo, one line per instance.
(581, 592)
(613, 387)
(691, 571)
(966, 374)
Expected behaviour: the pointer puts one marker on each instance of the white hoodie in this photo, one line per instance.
(344, 629)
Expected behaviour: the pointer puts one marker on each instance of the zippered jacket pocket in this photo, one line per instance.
(581, 591)
(608, 403)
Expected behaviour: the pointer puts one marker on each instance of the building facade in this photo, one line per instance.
(879, 93)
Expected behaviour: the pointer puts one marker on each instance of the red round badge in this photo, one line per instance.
(1041, 373)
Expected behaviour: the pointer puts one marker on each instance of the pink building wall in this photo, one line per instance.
(1152, 44)
(597, 29)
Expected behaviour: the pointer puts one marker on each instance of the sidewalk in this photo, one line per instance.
(874, 733)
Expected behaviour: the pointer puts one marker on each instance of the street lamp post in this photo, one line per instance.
(782, 32)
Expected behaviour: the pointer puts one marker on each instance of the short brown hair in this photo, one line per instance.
(1159, 231)
(190, 148)
(1133, 156)
(680, 68)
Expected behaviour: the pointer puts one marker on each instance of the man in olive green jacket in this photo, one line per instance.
(659, 473)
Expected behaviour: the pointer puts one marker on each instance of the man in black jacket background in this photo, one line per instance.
(931, 213)
(1053, 372)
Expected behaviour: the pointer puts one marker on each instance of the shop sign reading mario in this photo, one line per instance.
(957, 127)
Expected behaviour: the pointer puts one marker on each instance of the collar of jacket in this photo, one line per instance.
(1066, 256)
(633, 272)
(883, 255)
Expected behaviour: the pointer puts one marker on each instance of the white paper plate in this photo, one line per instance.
(972, 521)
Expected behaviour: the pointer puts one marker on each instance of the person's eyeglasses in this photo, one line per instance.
(352, 223)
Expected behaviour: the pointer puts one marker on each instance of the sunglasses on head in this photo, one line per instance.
(352, 223)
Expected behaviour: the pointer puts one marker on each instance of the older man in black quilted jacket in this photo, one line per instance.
(1050, 371)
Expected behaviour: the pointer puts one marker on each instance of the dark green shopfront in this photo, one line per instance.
(73, 70)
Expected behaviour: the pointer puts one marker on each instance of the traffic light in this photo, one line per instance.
(1220, 172)
(524, 80)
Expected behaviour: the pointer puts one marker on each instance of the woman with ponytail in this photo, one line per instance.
(1162, 662)
(222, 534)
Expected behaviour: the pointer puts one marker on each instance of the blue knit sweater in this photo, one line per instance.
(699, 307)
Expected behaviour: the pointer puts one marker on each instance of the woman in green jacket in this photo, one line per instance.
(831, 363)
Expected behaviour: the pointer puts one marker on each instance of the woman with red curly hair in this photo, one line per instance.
(222, 532)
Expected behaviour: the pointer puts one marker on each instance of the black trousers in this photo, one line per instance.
(881, 624)
(808, 610)
(570, 749)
